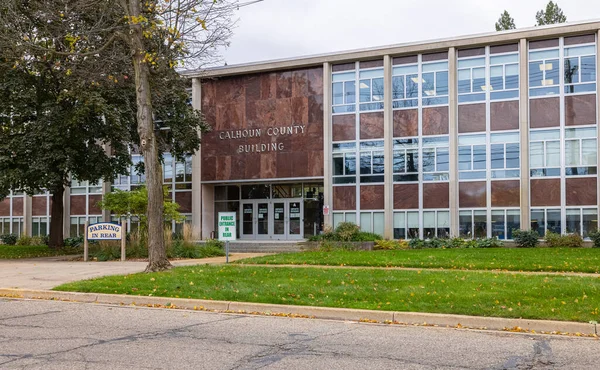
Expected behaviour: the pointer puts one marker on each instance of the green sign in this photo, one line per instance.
(227, 226)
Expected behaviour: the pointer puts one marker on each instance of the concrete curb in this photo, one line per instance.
(345, 314)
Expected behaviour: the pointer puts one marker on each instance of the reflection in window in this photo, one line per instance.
(471, 80)
(343, 92)
(504, 76)
(371, 89)
(435, 83)
(371, 161)
(472, 157)
(580, 69)
(472, 224)
(406, 224)
(344, 163)
(543, 72)
(406, 160)
(504, 222)
(436, 224)
(505, 155)
(436, 161)
(544, 153)
(405, 86)
(580, 151)
(543, 220)
(581, 221)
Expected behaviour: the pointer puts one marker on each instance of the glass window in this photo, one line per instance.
(406, 160)
(589, 221)
(504, 76)
(365, 222)
(343, 92)
(371, 89)
(580, 69)
(436, 224)
(472, 157)
(504, 152)
(436, 160)
(405, 86)
(504, 222)
(471, 80)
(435, 83)
(544, 73)
(399, 225)
(371, 161)
(544, 220)
(544, 153)
(344, 163)
(580, 151)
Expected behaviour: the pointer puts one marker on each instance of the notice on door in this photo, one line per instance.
(227, 226)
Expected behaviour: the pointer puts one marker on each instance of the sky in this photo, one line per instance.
(274, 29)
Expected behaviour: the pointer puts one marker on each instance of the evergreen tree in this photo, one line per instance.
(551, 15)
(505, 22)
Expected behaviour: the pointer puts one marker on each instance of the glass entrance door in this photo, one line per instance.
(263, 220)
(279, 220)
(247, 220)
(295, 219)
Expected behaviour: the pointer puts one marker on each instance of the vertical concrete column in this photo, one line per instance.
(388, 134)
(453, 140)
(208, 211)
(66, 212)
(197, 168)
(27, 210)
(524, 131)
(327, 140)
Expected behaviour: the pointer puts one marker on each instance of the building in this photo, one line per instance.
(472, 136)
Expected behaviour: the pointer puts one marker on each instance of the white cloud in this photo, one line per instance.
(276, 29)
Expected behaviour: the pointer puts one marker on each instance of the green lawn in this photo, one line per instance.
(512, 259)
(31, 251)
(457, 292)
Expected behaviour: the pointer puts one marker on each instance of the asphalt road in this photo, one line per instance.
(63, 335)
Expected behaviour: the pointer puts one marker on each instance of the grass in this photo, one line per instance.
(32, 251)
(458, 292)
(511, 259)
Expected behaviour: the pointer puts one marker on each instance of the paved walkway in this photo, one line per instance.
(48, 272)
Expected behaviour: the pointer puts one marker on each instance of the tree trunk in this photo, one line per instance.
(157, 253)
(56, 239)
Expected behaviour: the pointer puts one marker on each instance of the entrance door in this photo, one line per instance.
(247, 220)
(279, 220)
(263, 220)
(295, 219)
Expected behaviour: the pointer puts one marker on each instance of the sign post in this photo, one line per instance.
(85, 242)
(123, 239)
(227, 230)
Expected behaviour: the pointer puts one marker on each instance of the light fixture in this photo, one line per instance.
(545, 67)
(416, 80)
(363, 85)
(548, 82)
(429, 92)
(487, 87)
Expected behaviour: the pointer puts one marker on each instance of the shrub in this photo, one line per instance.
(488, 243)
(456, 243)
(107, 251)
(389, 245)
(25, 240)
(8, 239)
(554, 240)
(595, 236)
(526, 238)
(210, 250)
(364, 236)
(214, 243)
(75, 242)
(347, 231)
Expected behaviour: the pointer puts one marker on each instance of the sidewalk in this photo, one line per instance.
(48, 272)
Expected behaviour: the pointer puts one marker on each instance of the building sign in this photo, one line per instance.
(104, 231)
(291, 130)
(227, 226)
(325, 210)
